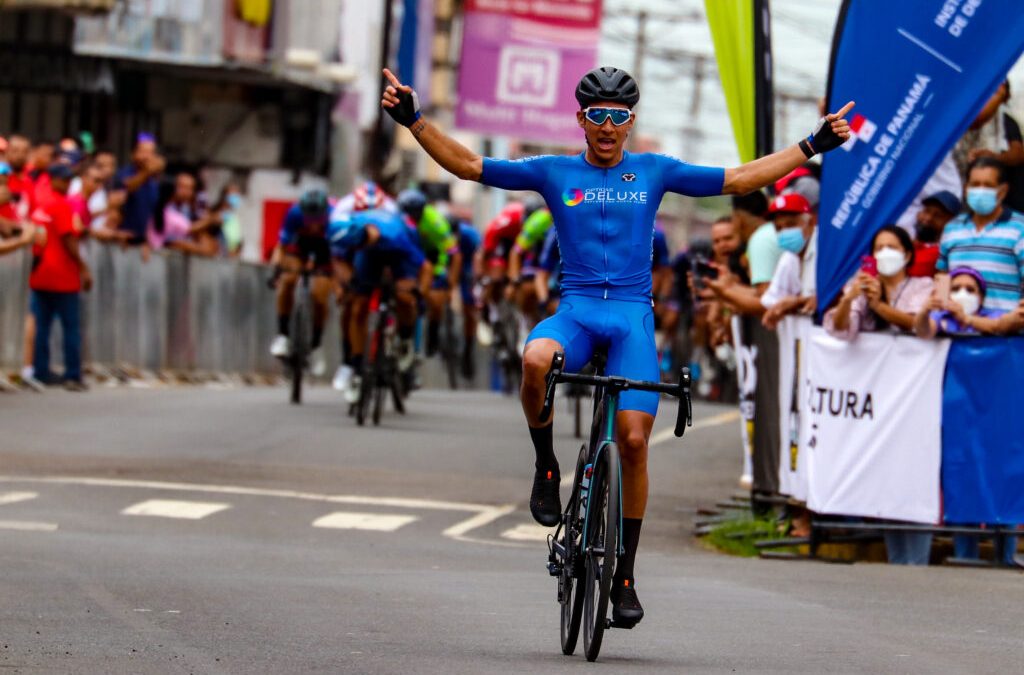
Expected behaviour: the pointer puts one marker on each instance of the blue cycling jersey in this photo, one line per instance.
(469, 242)
(605, 216)
(659, 254)
(396, 239)
(292, 227)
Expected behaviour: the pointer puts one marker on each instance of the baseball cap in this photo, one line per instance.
(946, 199)
(789, 203)
(60, 171)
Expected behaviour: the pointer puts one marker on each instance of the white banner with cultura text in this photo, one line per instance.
(872, 425)
(793, 332)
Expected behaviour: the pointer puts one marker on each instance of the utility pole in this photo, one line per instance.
(638, 59)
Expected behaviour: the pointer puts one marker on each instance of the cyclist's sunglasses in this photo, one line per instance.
(619, 116)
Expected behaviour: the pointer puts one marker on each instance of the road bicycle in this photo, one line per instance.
(584, 549)
(381, 375)
(448, 349)
(301, 333)
(506, 346)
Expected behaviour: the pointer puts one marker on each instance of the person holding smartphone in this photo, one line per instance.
(881, 295)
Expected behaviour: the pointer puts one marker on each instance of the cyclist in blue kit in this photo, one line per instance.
(604, 201)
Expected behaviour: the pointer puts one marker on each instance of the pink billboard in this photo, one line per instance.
(521, 60)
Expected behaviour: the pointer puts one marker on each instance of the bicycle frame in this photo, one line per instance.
(606, 401)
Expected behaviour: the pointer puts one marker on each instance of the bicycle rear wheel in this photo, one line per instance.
(600, 547)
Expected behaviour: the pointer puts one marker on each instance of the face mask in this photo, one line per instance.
(970, 302)
(982, 200)
(890, 261)
(792, 240)
(234, 200)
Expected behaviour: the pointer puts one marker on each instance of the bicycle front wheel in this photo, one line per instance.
(600, 547)
(570, 590)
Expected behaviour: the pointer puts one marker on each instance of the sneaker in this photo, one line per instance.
(484, 334)
(354, 385)
(626, 609)
(545, 502)
(75, 385)
(342, 377)
(317, 362)
(281, 347)
(407, 356)
(32, 383)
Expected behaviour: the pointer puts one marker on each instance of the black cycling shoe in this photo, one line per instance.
(545, 502)
(626, 609)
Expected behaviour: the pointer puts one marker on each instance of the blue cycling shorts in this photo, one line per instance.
(370, 265)
(583, 324)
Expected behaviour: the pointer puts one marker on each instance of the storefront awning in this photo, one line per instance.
(74, 5)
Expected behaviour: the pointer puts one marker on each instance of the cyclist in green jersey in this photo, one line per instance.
(441, 247)
(523, 262)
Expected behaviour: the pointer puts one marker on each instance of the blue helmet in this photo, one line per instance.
(347, 232)
(412, 203)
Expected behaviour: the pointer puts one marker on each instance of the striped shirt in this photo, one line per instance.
(997, 252)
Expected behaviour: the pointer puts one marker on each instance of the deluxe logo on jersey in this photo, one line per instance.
(572, 196)
(575, 196)
(861, 129)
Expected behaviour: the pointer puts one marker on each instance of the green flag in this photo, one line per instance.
(739, 29)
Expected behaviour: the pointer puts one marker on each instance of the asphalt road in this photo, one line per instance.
(224, 531)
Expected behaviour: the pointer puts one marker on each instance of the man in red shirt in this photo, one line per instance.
(19, 182)
(936, 210)
(58, 275)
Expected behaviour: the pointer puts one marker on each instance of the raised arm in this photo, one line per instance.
(401, 102)
(831, 132)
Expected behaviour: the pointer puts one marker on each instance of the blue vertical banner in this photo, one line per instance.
(982, 432)
(919, 72)
(415, 45)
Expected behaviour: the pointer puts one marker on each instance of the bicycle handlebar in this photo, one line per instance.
(681, 389)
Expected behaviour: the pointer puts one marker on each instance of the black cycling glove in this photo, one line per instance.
(408, 109)
(821, 140)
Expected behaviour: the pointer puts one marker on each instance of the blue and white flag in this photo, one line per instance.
(919, 72)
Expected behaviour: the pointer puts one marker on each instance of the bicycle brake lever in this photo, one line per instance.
(557, 363)
(684, 385)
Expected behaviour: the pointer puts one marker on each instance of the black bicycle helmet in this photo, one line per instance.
(313, 203)
(412, 202)
(607, 84)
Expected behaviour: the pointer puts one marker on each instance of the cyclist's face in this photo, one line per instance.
(605, 140)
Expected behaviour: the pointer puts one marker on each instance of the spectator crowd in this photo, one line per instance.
(952, 265)
(55, 195)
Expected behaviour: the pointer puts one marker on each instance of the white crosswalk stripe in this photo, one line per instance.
(27, 526)
(348, 520)
(528, 532)
(172, 508)
(15, 497)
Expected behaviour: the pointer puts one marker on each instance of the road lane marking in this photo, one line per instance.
(175, 508)
(484, 513)
(15, 497)
(377, 522)
(528, 532)
(714, 421)
(27, 526)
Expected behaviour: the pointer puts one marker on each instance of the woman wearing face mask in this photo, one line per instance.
(962, 313)
(881, 295)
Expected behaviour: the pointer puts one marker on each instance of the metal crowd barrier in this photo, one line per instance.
(174, 313)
